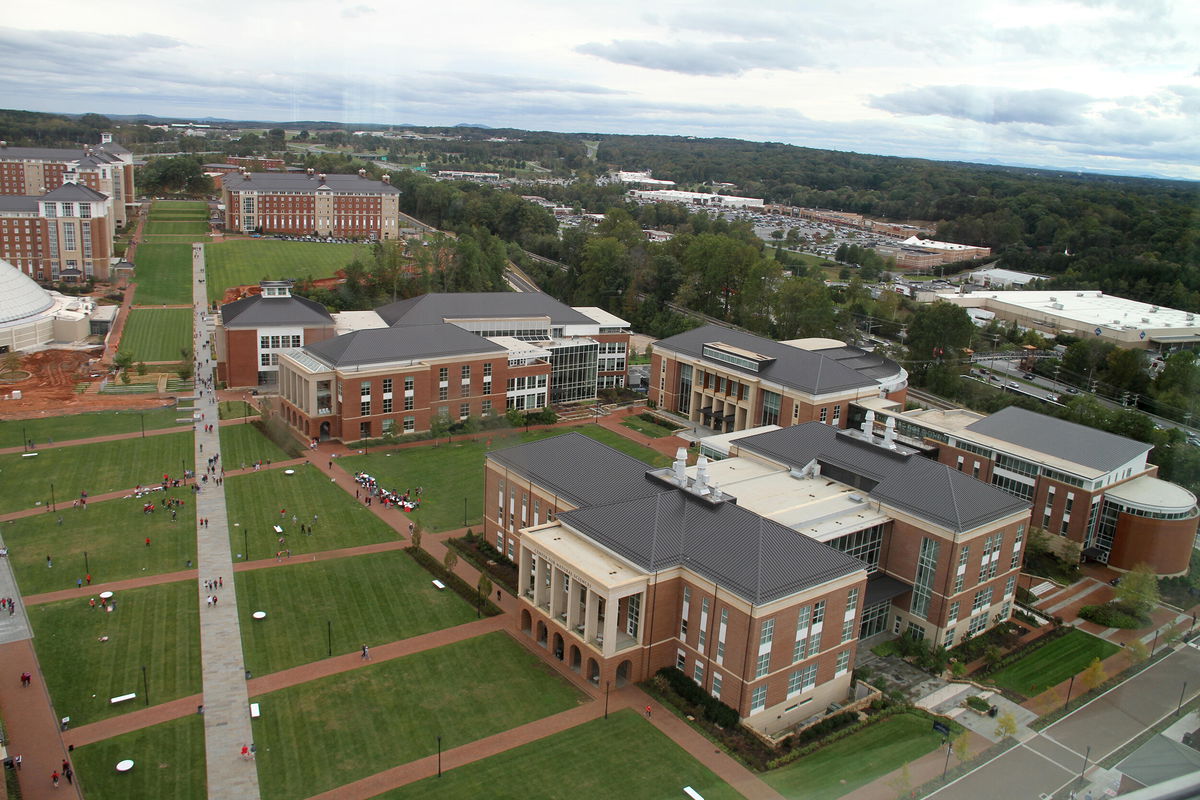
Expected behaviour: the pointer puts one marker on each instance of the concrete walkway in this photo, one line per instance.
(226, 700)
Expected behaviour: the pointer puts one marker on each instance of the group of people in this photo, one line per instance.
(7, 602)
(408, 500)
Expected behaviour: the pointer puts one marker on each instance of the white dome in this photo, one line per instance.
(20, 296)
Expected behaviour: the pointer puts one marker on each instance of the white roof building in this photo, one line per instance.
(695, 198)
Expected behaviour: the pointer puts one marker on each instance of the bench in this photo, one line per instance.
(277, 529)
(121, 698)
(439, 585)
(692, 793)
(28, 455)
(254, 713)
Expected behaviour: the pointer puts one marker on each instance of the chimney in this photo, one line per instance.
(105, 138)
(387, 179)
(868, 424)
(321, 177)
(701, 485)
(680, 467)
(889, 433)
(310, 171)
(362, 173)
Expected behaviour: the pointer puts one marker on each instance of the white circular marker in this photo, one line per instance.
(125, 766)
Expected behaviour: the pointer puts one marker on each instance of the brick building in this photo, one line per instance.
(1087, 486)
(303, 204)
(756, 575)
(106, 168)
(732, 381)
(65, 234)
(250, 333)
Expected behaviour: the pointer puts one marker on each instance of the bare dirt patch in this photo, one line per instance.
(51, 387)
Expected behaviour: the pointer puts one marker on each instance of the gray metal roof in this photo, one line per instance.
(74, 192)
(806, 370)
(907, 481)
(410, 342)
(1067, 440)
(439, 307)
(265, 312)
(303, 182)
(755, 557)
(19, 202)
(861, 361)
(579, 469)
(8, 153)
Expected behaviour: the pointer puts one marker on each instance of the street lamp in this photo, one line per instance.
(52, 503)
(329, 628)
(1182, 692)
(145, 685)
(607, 685)
(439, 738)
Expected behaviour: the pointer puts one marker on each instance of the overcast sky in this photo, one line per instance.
(1109, 85)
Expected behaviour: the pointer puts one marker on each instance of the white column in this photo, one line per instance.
(523, 572)
(555, 593)
(611, 607)
(642, 616)
(590, 615)
(572, 604)
(539, 582)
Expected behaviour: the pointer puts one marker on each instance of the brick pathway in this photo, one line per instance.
(31, 725)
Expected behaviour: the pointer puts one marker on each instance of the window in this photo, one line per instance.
(848, 630)
(410, 424)
(443, 392)
(683, 617)
(1016, 553)
(991, 555)
(923, 584)
(983, 599)
(487, 371)
(961, 574)
(864, 545)
(409, 382)
(953, 615)
(486, 408)
(465, 372)
(680, 660)
(837, 413)
(770, 410)
(364, 407)
(977, 624)
(824, 415)
(758, 699)
(443, 373)
(698, 672)
(464, 410)
(948, 642)
(703, 634)
(766, 633)
(852, 601)
(803, 621)
(843, 664)
(721, 635)
(387, 405)
(716, 685)
(408, 402)
(763, 665)
(802, 680)
(1010, 586)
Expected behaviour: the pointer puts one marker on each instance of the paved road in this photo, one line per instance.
(1053, 759)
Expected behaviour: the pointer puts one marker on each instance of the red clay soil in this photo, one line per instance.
(51, 387)
(250, 290)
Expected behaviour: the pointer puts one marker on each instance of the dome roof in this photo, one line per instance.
(20, 296)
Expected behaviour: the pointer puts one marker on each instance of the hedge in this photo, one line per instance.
(463, 589)
(1113, 615)
(713, 709)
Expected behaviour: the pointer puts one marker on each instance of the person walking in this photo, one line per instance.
(54, 778)
(366, 653)
(17, 761)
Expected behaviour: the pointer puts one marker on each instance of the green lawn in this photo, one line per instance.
(452, 473)
(94, 468)
(369, 599)
(624, 756)
(236, 409)
(168, 761)
(254, 501)
(247, 261)
(84, 426)
(319, 735)
(157, 225)
(156, 626)
(178, 209)
(856, 760)
(1053, 663)
(112, 533)
(246, 444)
(647, 428)
(163, 273)
(157, 334)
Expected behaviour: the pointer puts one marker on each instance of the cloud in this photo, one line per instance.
(468, 82)
(353, 12)
(987, 104)
(707, 59)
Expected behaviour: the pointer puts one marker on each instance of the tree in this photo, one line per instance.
(12, 362)
(1006, 725)
(1138, 590)
(901, 783)
(141, 368)
(418, 533)
(1094, 676)
(485, 585)
(123, 360)
(938, 332)
(961, 744)
(450, 560)
(1137, 650)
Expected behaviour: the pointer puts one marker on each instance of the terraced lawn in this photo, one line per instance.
(1053, 663)
(163, 272)
(168, 761)
(157, 226)
(247, 261)
(157, 334)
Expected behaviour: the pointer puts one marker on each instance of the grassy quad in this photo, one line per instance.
(857, 760)
(624, 756)
(112, 533)
(648, 428)
(85, 426)
(157, 227)
(163, 272)
(368, 599)
(319, 735)
(247, 444)
(247, 261)
(155, 626)
(236, 409)
(255, 499)
(452, 473)
(179, 209)
(168, 762)
(1053, 663)
(94, 468)
(157, 334)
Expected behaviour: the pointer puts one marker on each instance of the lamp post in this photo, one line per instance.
(439, 738)
(245, 545)
(329, 629)
(1182, 692)
(607, 685)
(145, 686)
(86, 568)
(1086, 756)
(52, 503)
(24, 440)
(949, 749)
(142, 419)
(1070, 686)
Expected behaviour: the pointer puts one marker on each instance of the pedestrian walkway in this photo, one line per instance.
(226, 700)
(14, 626)
(33, 732)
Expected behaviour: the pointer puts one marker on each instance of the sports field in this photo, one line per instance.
(157, 334)
(156, 227)
(163, 273)
(248, 261)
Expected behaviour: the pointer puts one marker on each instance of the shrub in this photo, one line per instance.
(978, 703)
(712, 709)
(1025, 596)
(1113, 615)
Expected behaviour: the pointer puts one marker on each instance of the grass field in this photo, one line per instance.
(647, 428)
(157, 334)
(157, 226)
(856, 760)
(168, 762)
(246, 261)
(112, 533)
(178, 209)
(156, 626)
(236, 409)
(85, 426)
(254, 501)
(94, 468)
(452, 473)
(163, 273)
(1053, 663)
(368, 599)
(624, 756)
(246, 444)
(319, 735)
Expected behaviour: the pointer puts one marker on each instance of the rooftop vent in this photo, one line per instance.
(321, 177)
(387, 179)
(310, 171)
(362, 173)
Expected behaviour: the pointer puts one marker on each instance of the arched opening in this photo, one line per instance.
(526, 622)
(558, 646)
(541, 633)
(623, 672)
(325, 431)
(576, 659)
(593, 672)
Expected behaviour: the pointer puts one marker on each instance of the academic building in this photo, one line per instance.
(730, 381)
(252, 332)
(1086, 486)
(64, 234)
(106, 168)
(756, 575)
(311, 204)
(451, 356)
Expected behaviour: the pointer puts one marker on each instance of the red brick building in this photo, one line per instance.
(252, 332)
(65, 234)
(106, 168)
(349, 206)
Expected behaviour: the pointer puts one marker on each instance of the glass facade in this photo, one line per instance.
(864, 545)
(926, 569)
(573, 372)
(685, 388)
(770, 409)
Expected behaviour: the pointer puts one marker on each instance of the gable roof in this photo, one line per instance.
(806, 370)
(579, 469)
(442, 306)
(410, 342)
(303, 182)
(19, 202)
(757, 558)
(908, 481)
(74, 191)
(1067, 440)
(262, 312)
(54, 154)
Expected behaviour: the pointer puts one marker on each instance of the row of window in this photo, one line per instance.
(276, 342)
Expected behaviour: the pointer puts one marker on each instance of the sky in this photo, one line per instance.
(1100, 85)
